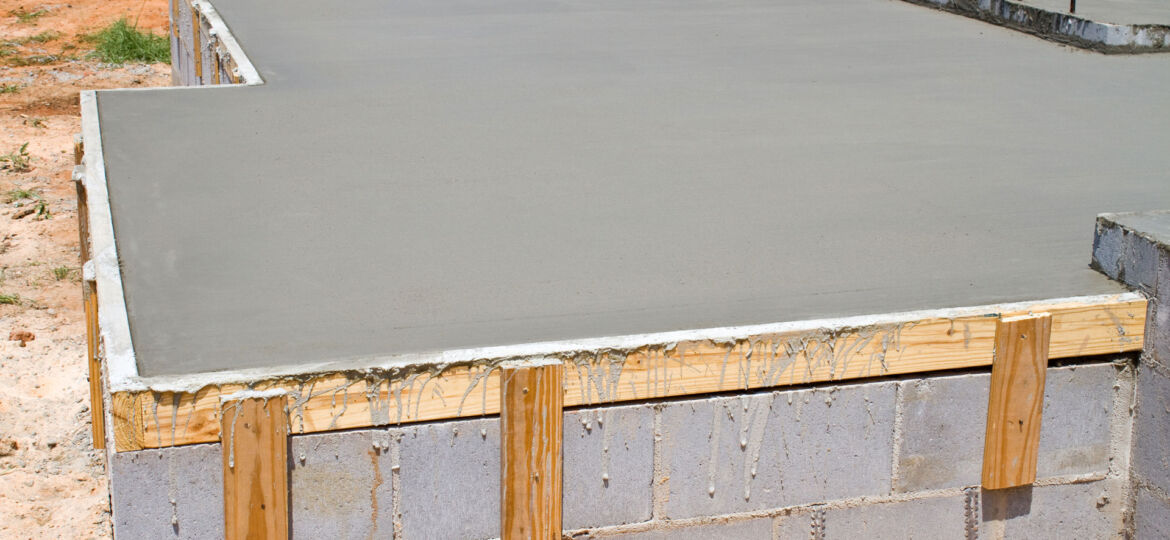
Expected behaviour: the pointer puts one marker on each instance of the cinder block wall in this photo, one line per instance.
(1135, 249)
(184, 43)
(883, 459)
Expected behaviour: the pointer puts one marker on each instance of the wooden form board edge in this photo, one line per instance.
(89, 303)
(531, 438)
(1016, 401)
(366, 398)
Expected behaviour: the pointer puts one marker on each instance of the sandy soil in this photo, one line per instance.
(52, 481)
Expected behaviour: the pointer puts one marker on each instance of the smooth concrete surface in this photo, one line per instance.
(428, 175)
(1111, 11)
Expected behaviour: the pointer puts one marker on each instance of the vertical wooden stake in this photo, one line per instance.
(1016, 401)
(254, 434)
(198, 49)
(531, 428)
(97, 408)
(97, 411)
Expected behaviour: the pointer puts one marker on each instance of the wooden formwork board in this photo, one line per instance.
(365, 398)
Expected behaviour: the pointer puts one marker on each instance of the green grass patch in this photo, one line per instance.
(17, 161)
(61, 273)
(121, 42)
(21, 194)
(36, 60)
(25, 16)
(43, 37)
(10, 299)
(10, 88)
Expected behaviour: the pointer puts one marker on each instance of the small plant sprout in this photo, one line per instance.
(25, 16)
(17, 161)
(62, 273)
(19, 194)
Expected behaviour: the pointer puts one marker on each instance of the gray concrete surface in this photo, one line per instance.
(944, 421)
(427, 175)
(1152, 516)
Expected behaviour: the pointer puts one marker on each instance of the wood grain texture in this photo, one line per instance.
(531, 435)
(255, 469)
(346, 400)
(89, 303)
(1016, 401)
(195, 47)
(97, 408)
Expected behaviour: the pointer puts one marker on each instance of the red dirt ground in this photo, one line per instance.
(52, 481)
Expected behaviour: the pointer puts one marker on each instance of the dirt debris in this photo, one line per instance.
(52, 481)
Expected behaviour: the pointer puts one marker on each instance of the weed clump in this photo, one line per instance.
(121, 42)
(17, 161)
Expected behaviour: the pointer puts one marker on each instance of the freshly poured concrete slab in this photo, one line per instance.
(427, 175)
(1111, 11)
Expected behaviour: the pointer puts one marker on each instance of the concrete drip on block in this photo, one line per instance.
(393, 476)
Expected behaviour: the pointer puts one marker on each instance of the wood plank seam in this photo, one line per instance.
(1016, 401)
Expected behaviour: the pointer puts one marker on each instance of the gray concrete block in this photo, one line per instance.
(943, 425)
(1158, 323)
(1075, 429)
(944, 421)
(167, 493)
(1152, 516)
(1151, 434)
(609, 466)
(450, 479)
(941, 517)
(341, 485)
(1089, 510)
(780, 449)
(1139, 262)
(798, 524)
(752, 529)
(1108, 244)
(1129, 247)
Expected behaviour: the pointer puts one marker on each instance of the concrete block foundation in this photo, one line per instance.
(1135, 249)
(820, 428)
(840, 461)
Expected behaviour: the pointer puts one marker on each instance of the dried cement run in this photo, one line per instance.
(429, 175)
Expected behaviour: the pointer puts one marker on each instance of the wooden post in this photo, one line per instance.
(97, 407)
(197, 49)
(89, 302)
(531, 428)
(254, 435)
(1016, 401)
